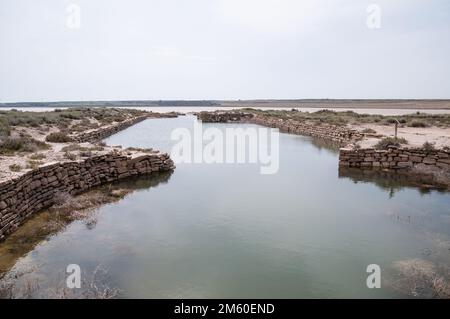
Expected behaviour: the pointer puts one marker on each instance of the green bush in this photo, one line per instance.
(70, 156)
(428, 146)
(390, 141)
(21, 144)
(418, 123)
(5, 130)
(37, 156)
(15, 168)
(368, 131)
(34, 164)
(58, 137)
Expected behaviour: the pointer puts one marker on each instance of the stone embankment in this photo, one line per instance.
(35, 190)
(104, 132)
(394, 157)
(223, 117)
(338, 134)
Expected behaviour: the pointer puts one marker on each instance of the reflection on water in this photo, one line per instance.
(390, 180)
(226, 231)
(48, 223)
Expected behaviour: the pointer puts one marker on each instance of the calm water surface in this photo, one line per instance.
(225, 230)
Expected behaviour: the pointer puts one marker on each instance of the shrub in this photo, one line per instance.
(418, 123)
(428, 146)
(70, 156)
(5, 130)
(390, 141)
(15, 168)
(73, 148)
(34, 164)
(22, 144)
(87, 153)
(37, 156)
(368, 131)
(58, 137)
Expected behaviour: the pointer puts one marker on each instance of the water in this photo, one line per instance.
(226, 231)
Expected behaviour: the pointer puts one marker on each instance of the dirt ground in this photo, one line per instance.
(416, 137)
(350, 104)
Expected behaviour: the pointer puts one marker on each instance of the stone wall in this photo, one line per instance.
(395, 158)
(335, 133)
(104, 132)
(223, 117)
(35, 190)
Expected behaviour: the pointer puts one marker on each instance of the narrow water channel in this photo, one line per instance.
(226, 231)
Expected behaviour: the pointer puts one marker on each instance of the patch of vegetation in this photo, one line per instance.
(5, 129)
(37, 156)
(62, 118)
(70, 156)
(87, 153)
(349, 117)
(15, 168)
(384, 143)
(427, 146)
(58, 137)
(80, 148)
(10, 145)
(368, 131)
(418, 123)
(34, 164)
(137, 149)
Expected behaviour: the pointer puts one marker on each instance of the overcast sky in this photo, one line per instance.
(222, 49)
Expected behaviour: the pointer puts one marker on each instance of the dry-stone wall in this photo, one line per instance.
(394, 158)
(35, 190)
(335, 133)
(104, 132)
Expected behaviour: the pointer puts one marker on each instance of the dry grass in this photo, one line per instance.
(349, 117)
(58, 137)
(63, 118)
(34, 164)
(384, 143)
(11, 145)
(15, 168)
(21, 284)
(422, 278)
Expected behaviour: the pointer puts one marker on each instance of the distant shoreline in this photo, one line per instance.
(427, 104)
